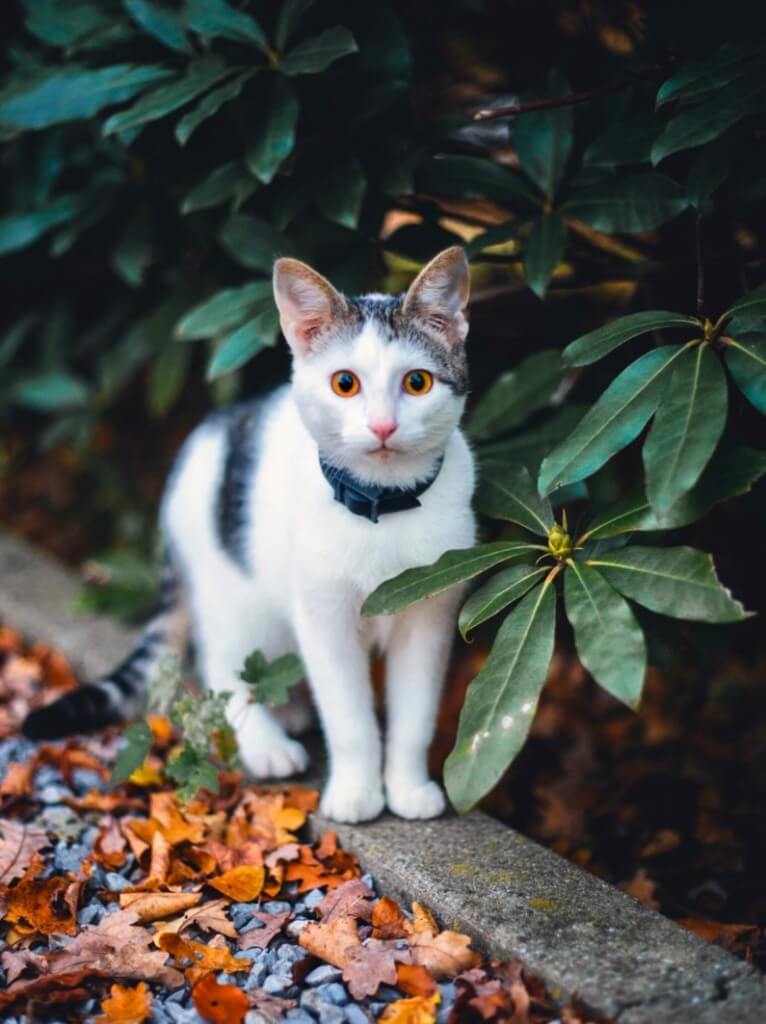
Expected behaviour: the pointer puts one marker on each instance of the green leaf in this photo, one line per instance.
(591, 347)
(426, 580)
(272, 681)
(507, 492)
(288, 19)
(713, 165)
(624, 141)
(319, 52)
(210, 105)
(545, 248)
(21, 229)
(543, 140)
(609, 640)
(49, 392)
(253, 242)
(746, 361)
(678, 582)
(749, 306)
(201, 75)
(516, 394)
(472, 177)
(72, 93)
(12, 339)
(729, 473)
(275, 135)
(219, 18)
(167, 375)
(134, 751)
(531, 446)
(496, 594)
(63, 25)
(231, 181)
(222, 311)
(161, 24)
(617, 418)
(712, 117)
(239, 347)
(640, 202)
(191, 770)
(698, 78)
(502, 699)
(340, 193)
(686, 428)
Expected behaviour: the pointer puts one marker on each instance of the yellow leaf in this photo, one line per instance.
(418, 1010)
(151, 906)
(243, 883)
(126, 1005)
(147, 774)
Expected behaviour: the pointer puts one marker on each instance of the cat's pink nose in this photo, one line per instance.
(383, 429)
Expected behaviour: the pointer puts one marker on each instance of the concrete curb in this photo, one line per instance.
(516, 899)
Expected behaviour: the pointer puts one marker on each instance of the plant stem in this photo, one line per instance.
(700, 265)
(550, 103)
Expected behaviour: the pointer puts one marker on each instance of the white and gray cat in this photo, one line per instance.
(282, 515)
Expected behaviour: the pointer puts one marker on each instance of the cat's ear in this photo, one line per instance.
(438, 297)
(306, 301)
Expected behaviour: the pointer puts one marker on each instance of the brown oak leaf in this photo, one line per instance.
(259, 938)
(443, 955)
(152, 906)
(352, 899)
(331, 942)
(208, 917)
(109, 845)
(371, 965)
(18, 846)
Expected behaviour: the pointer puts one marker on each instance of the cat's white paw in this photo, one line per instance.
(351, 800)
(420, 801)
(274, 758)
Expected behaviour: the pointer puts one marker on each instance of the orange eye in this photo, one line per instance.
(345, 383)
(417, 382)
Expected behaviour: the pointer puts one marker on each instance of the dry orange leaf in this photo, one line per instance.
(242, 884)
(210, 917)
(43, 905)
(388, 921)
(417, 1010)
(18, 779)
(201, 957)
(423, 919)
(126, 1005)
(109, 845)
(443, 955)
(220, 1004)
(331, 942)
(414, 980)
(152, 906)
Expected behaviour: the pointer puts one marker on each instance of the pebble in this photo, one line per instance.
(356, 1015)
(69, 856)
(314, 898)
(182, 1015)
(86, 779)
(386, 994)
(294, 928)
(323, 974)
(53, 794)
(299, 1016)
(277, 906)
(369, 881)
(290, 953)
(326, 1012)
(115, 882)
(333, 993)
(257, 975)
(91, 913)
(277, 984)
(242, 914)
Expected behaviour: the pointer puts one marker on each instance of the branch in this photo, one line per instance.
(551, 103)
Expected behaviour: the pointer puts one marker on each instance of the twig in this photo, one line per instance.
(551, 103)
(700, 265)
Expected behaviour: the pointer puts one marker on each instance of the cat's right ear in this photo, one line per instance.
(306, 301)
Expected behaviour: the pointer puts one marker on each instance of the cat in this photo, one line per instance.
(282, 514)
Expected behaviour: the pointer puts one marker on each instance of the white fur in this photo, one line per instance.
(313, 563)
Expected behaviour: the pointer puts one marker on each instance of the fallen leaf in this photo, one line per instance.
(716, 931)
(352, 899)
(109, 845)
(15, 963)
(443, 955)
(220, 1004)
(388, 920)
(152, 906)
(259, 938)
(243, 883)
(331, 942)
(126, 1005)
(159, 862)
(18, 846)
(271, 1009)
(414, 980)
(371, 965)
(417, 1010)
(642, 888)
(423, 920)
(209, 917)
(202, 958)
(18, 779)
(37, 905)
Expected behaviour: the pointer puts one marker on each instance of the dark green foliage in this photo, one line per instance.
(271, 681)
(137, 742)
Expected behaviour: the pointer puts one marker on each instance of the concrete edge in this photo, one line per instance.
(515, 899)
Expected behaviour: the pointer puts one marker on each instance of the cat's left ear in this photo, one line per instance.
(438, 297)
(307, 303)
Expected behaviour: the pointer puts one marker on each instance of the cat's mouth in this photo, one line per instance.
(383, 451)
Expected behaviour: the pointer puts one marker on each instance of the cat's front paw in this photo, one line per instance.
(424, 800)
(274, 758)
(351, 800)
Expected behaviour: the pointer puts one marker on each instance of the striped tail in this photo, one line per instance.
(120, 695)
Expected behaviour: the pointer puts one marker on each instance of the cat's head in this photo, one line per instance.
(380, 381)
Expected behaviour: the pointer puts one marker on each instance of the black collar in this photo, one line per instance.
(373, 500)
